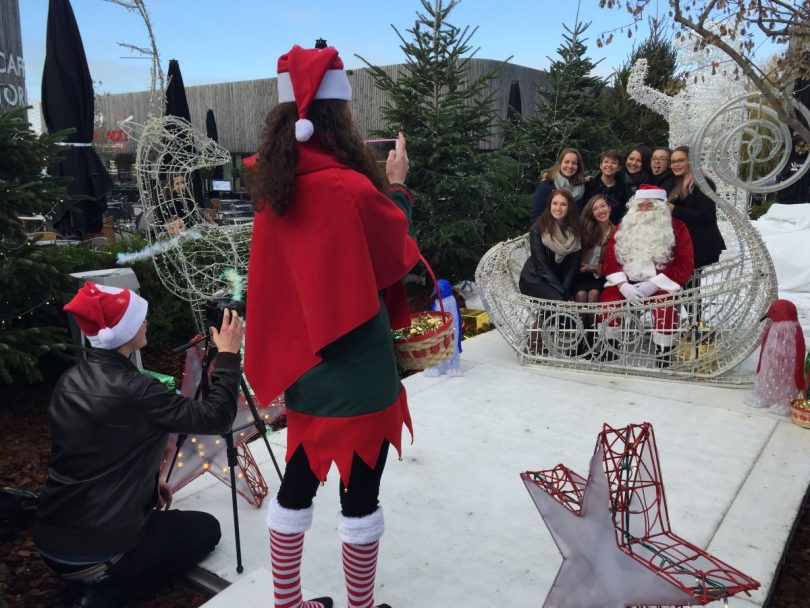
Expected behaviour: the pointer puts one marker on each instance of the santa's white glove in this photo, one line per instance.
(646, 288)
(629, 291)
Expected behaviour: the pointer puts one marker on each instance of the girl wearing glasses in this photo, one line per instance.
(690, 205)
(661, 174)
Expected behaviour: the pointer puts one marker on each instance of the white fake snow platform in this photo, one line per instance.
(461, 528)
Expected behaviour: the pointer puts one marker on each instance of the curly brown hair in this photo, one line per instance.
(545, 223)
(273, 180)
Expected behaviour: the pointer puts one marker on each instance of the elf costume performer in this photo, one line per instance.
(327, 255)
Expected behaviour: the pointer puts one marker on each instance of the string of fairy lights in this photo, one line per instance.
(203, 457)
(10, 320)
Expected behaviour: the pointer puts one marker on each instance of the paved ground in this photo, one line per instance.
(460, 525)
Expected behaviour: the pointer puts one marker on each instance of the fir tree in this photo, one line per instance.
(629, 121)
(445, 116)
(568, 113)
(30, 322)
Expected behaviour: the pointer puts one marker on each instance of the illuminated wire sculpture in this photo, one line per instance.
(613, 531)
(719, 324)
(190, 252)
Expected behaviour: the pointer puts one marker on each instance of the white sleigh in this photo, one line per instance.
(720, 320)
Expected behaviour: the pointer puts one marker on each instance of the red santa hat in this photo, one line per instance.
(108, 316)
(308, 74)
(648, 192)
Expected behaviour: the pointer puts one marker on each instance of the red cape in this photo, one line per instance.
(314, 274)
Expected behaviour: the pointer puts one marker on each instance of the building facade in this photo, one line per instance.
(241, 108)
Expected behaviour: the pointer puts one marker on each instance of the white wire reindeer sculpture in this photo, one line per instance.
(191, 254)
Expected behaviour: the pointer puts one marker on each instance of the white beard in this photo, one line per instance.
(644, 238)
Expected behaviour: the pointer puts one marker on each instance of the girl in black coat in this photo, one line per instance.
(636, 172)
(699, 212)
(608, 183)
(661, 175)
(550, 271)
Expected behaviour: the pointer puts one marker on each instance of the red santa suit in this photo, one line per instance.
(668, 277)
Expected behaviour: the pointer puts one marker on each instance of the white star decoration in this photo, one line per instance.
(595, 573)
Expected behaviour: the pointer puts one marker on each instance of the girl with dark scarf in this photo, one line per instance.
(636, 171)
(662, 175)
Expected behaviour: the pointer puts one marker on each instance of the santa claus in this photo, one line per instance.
(650, 255)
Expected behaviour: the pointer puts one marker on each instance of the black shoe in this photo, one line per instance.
(326, 602)
(93, 598)
(609, 351)
(383, 606)
(663, 356)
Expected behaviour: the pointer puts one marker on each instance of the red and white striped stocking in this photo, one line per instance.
(361, 542)
(287, 527)
(360, 568)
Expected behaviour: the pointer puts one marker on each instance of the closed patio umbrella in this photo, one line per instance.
(514, 111)
(212, 133)
(177, 105)
(67, 103)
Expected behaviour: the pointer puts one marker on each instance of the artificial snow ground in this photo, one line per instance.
(461, 528)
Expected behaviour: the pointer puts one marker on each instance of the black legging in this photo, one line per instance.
(358, 500)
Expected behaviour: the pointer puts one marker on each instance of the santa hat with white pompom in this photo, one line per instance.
(305, 75)
(108, 316)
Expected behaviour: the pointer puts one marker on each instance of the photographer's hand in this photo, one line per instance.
(396, 166)
(164, 496)
(228, 339)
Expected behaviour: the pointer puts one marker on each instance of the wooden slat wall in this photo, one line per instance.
(240, 108)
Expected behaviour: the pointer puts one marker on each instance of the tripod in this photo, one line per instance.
(231, 450)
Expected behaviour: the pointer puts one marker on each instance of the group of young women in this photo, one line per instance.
(573, 217)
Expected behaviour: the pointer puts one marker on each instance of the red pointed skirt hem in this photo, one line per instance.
(337, 439)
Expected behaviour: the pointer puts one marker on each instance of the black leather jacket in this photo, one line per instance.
(109, 426)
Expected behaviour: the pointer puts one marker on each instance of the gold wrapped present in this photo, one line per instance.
(698, 344)
(474, 321)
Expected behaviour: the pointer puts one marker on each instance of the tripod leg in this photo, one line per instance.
(260, 425)
(232, 463)
(181, 437)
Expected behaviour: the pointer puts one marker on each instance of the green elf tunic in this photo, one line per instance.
(324, 294)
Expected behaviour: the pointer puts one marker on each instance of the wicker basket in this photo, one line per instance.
(430, 349)
(800, 412)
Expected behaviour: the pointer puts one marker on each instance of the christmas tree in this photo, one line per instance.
(569, 114)
(445, 116)
(630, 122)
(32, 286)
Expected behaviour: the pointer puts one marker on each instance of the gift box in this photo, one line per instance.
(474, 321)
(698, 345)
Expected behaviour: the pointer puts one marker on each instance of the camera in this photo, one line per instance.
(380, 148)
(215, 310)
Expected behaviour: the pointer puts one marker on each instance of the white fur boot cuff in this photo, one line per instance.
(288, 521)
(361, 530)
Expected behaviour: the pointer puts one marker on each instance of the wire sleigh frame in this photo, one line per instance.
(745, 147)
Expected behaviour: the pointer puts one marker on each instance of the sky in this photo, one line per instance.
(230, 40)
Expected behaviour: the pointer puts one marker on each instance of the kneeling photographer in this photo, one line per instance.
(100, 522)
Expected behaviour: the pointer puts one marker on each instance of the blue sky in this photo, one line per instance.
(226, 40)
